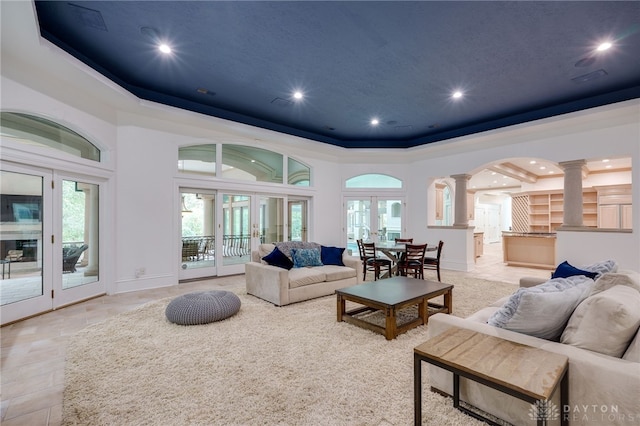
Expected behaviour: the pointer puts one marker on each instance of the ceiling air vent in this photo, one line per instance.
(589, 77)
(282, 102)
(89, 17)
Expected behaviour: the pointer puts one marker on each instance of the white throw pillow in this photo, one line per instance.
(612, 279)
(605, 322)
(542, 311)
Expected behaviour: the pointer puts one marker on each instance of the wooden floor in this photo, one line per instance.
(33, 350)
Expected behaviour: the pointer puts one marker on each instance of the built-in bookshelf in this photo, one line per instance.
(543, 211)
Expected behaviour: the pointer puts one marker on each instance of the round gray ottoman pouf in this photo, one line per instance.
(202, 307)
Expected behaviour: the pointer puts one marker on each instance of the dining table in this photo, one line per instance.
(394, 250)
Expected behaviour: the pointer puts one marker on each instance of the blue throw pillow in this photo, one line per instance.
(565, 270)
(279, 259)
(331, 255)
(305, 257)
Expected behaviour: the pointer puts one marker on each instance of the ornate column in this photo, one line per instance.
(572, 193)
(460, 210)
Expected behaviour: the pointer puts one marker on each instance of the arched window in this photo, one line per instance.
(32, 130)
(373, 180)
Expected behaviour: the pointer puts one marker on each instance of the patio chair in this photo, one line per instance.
(14, 255)
(70, 258)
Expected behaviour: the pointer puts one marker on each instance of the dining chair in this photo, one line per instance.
(404, 240)
(371, 261)
(434, 262)
(413, 261)
(401, 255)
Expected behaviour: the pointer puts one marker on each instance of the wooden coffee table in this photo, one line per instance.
(528, 373)
(389, 296)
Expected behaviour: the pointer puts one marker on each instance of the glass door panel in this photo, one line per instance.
(358, 222)
(389, 220)
(25, 215)
(236, 231)
(76, 252)
(298, 220)
(198, 233)
(272, 220)
(80, 216)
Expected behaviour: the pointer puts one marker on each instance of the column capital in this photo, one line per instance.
(574, 165)
(462, 176)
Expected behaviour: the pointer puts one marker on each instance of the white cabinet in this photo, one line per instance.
(614, 207)
(609, 216)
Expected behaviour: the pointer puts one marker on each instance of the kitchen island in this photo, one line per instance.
(529, 249)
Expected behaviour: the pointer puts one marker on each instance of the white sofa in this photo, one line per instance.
(282, 287)
(603, 389)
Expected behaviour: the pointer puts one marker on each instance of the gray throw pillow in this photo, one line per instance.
(542, 311)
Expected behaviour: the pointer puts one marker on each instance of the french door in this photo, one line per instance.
(373, 219)
(221, 228)
(248, 220)
(49, 240)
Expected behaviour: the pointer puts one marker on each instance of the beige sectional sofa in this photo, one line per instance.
(598, 338)
(282, 286)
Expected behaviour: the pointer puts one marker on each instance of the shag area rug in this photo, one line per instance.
(266, 365)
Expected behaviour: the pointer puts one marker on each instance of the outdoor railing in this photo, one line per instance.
(203, 247)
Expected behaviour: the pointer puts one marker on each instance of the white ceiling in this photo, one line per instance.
(508, 176)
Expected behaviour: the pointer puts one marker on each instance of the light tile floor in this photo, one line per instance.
(33, 351)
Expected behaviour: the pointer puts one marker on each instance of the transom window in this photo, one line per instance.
(32, 130)
(240, 162)
(373, 180)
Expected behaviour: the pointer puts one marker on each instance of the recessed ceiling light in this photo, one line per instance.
(551, 172)
(164, 48)
(298, 95)
(457, 94)
(532, 162)
(606, 160)
(604, 46)
(542, 167)
(253, 161)
(375, 122)
(608, 166)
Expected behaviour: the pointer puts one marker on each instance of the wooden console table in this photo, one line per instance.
(522, 371)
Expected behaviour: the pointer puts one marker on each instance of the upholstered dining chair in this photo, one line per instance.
(371, 261)
(412, 262)
(434, 262)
